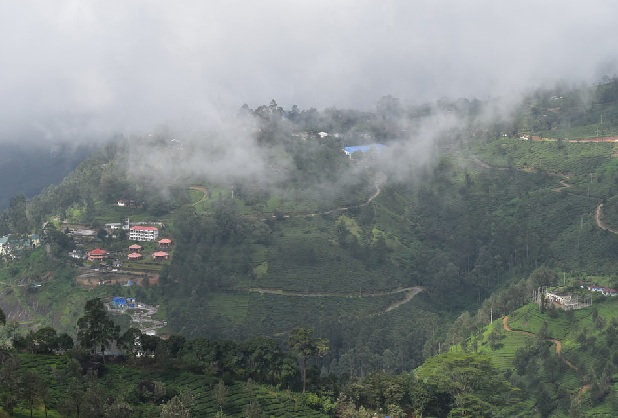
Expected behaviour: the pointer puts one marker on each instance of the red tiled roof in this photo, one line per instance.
(144, 228)
(135, 247)
(165, 241)
(135, 255)
(160, 254)
(97, 251)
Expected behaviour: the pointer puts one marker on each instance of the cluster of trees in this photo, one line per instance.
(261, 360)
(454, 384)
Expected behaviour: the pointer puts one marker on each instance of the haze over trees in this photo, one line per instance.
(364, 274)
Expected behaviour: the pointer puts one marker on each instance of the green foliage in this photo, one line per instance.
(95, 330)
(302, 342)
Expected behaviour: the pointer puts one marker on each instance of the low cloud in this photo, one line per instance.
(84, 70)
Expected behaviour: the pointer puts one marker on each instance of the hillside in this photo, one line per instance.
(377, 262)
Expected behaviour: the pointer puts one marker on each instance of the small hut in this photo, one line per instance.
(165, 243)
(136, 248)
(160, 255)
(135, 256)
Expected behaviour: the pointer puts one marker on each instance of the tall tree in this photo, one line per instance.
(302, 342)
(17, 215)
(95, 330)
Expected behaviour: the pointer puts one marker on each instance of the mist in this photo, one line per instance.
(74, 69)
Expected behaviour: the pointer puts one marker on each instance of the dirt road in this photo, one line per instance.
(600, 223)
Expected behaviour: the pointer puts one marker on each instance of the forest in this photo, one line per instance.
(344, 285)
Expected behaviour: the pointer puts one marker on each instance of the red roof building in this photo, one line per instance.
(135, 248)
(97, 255)
(165, 242)
(143, 233)
(135, 256)
(160, 255)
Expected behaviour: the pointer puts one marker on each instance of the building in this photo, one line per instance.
(13, 245)
(160, 255)
(362, 149)
(136, 248)
(119, 302)
(134, 256)
(165, 243)
(97, 255)
(606, 291)
(3, 244)
(143, 233)
(556, 297)
(77, 255)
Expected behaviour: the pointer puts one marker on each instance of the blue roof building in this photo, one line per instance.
(363, 148)
(119, 302)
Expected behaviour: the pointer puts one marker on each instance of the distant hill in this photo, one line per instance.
(26, 169)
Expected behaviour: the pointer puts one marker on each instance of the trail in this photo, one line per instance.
(204, 191)
(343, 208)
(564, 185)
(410, 293)
(558, 343)
(600, 223)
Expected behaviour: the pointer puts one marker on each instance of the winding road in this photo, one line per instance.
(600, 223)
(410, 293)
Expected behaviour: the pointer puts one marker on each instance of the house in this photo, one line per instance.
(135, 256)
(160, 255)
(97, 255)
(606, 291)
(3, 244)
(113, 226)
(136, 248)
(119, 302)
(143, 233)
(127, 203)
(165, 243)
(78, 255)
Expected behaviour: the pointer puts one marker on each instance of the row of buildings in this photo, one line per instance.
(137, 232)
(135, 252)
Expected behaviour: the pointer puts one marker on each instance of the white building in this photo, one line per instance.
(143, 233)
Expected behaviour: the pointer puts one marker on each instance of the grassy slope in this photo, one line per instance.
(526, 322)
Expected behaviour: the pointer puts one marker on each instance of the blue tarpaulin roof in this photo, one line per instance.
(119, 301)
(363, 148)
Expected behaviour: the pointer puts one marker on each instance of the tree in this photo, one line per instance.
(9, 389)
(301, 341)
(64, 342)
(2, 317)
(131, 341)
(220, 394)
(46, 340)
(30, 388)
(178, 406)
(17, 215)
(95, 330)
